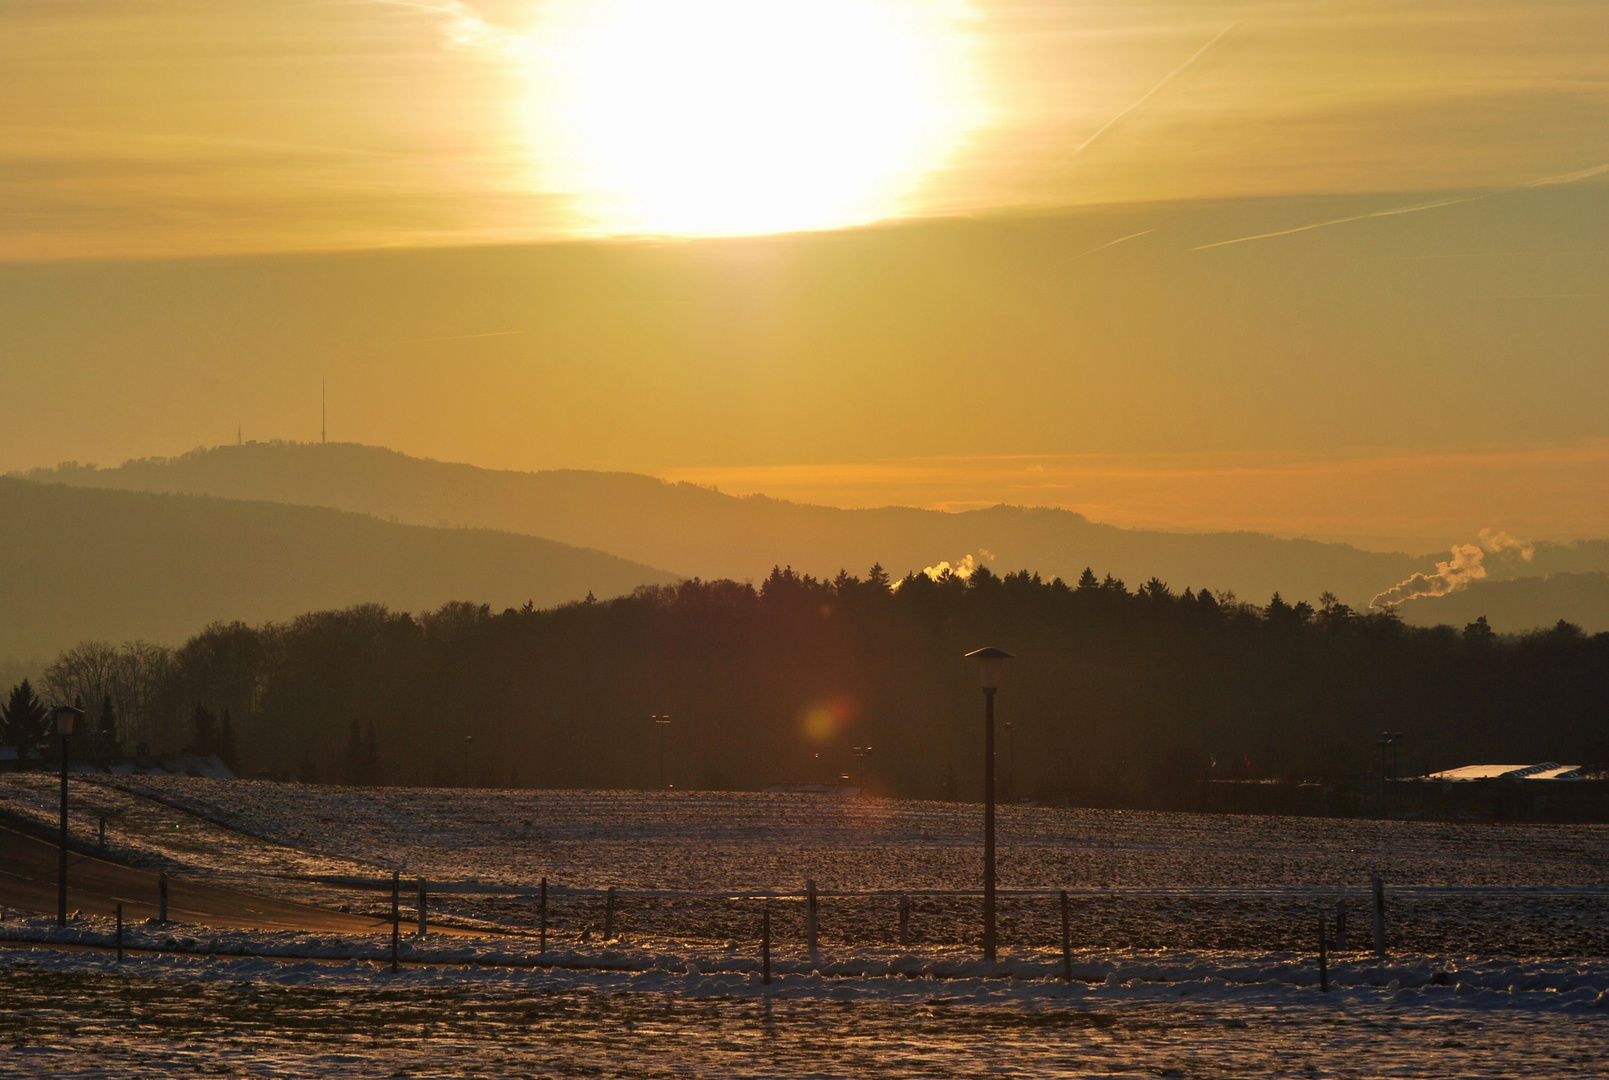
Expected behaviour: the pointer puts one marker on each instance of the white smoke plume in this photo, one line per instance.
(1466, 565)
(962, 568)
(1497, 541)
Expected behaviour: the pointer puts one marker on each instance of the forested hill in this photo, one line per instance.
(1117, 695)
(81, 563)
(695, 531)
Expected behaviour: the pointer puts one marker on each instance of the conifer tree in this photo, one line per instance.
(23, 721)
(205, 732)
(228, 752)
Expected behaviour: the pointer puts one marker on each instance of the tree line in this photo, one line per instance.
(1119, 696)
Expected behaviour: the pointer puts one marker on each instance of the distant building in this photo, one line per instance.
(1545, 791)
(1547, 770)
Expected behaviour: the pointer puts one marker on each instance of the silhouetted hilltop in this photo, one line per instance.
(700, 532)
(1520, 604)
(114, 565)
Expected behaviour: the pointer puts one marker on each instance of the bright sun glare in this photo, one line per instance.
(711, 117)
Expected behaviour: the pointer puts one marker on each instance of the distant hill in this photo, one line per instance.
(83, 563)
(696, 531)
(1520, 604)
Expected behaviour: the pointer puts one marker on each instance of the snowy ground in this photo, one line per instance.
(85, 1015)
(690, 865)
(1193, 941)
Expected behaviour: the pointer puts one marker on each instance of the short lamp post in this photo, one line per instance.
(64, 715)
(662, 722)
(991, 663)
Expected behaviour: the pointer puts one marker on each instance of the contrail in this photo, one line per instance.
(1169, 77)
(1341, 221)
(1544, 181)
(1114, 243)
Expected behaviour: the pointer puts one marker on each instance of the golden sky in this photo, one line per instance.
(1186, 257)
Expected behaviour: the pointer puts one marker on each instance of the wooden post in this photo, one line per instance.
(162, 897)
(120, 931)
(905, 920)
(1323, 961)
(1379, 917)
(765, 945)
(101, 843)
(1066, 941)
(609, 915)
(396, 917)
(542, 916)
(1340, 926)
(810, 916)
(422, 901)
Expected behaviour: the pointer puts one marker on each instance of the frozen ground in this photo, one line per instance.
(80, 1014)
(1193, 942)
(689, 865)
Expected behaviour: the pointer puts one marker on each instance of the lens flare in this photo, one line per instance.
(821, 723)
(711, 117)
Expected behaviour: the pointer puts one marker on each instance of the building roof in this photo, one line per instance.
(1546, 770)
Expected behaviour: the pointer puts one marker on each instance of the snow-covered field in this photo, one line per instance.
(1193, 941)
(689, 865)
(81, 1014)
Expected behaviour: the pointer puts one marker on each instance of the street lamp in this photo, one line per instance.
(861, 752)
(65, 715)
(662, 722)
(991, 662)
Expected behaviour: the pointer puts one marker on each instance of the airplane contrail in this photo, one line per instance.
(1114, 243)
(1169, 77)
(1543, 181)
(1394, 211)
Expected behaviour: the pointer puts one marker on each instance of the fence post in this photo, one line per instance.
(905, 920)
(1066, 941)
(422, 901)
(396, 916)
(810, 916)
(120, 931)
(765, 945)
(1379, 917)
(609, 915)
(542, 916)
(162, 897)
(1323, 961)
(1340, 926)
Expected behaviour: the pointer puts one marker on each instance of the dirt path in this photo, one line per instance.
(94, 886)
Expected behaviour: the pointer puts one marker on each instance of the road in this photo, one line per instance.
(94, 886)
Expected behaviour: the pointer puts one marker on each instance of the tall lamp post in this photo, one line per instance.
(65, 715)
(662, 722)
(861, 752)
(991, 661)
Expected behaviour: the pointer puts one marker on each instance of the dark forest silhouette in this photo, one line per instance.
(1118, 695)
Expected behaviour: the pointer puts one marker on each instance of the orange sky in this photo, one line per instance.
(1331, 268)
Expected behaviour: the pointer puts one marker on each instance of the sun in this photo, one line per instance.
(721, 117)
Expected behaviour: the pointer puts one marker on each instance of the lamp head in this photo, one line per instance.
(991, 662)
(65, 716)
